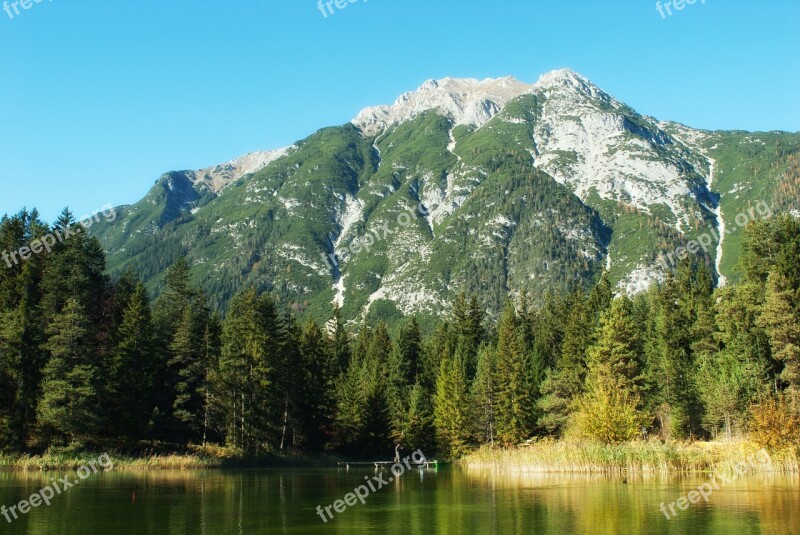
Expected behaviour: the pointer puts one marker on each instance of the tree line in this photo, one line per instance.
(88, 362)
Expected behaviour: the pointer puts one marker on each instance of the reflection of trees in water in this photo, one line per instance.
(448, 501)
(576, 503)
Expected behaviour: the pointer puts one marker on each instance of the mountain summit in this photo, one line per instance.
(466, 101)
(492, 186)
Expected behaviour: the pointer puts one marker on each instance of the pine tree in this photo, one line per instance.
(22, 330)
(319, 372)
(70, 404)
(339, 340)
(467, 324)
(403, 374)
(376, 429)
(565, 382)
(673, 363)
(189, 366)
(618, 344)
(74, 270)
(610, 410)
(245, 375)
(130, 385)
(548, 328)
(516, 397)
(484, 395)
(780, 319)
(451, 404)
(418, 430)
(351, 405)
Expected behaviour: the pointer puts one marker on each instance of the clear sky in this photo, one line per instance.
(99, 98)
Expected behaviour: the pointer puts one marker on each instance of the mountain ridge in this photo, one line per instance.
(526, 188)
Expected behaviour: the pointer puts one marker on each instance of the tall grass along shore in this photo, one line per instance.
(652, 457)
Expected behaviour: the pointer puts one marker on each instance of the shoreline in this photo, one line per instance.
(165, 462)
(645, 458)
(541, 457)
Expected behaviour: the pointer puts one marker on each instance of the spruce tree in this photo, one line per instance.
(245, 374)
(781, 320)
(418, 431)
(565, 382)
(403, 374)
(339, 341)
(484, 395)
(451, 404)
(516, 377)
(69, 409)
(610, 409)
(129, 389)
(318, 379)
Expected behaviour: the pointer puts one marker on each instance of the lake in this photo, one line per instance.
(448, 500)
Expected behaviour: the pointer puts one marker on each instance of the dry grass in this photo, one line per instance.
(549, 456)
(198, 458)
(54, 461)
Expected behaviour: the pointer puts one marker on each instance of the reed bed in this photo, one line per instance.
(197, 458)
(55, 461)
(645, 458)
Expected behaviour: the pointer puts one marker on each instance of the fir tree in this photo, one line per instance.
(780, 319)
(484, 395)
(130, 383)
(70, 404)
(516, 397)
(245, 373)
(451, 404)
(610, 409)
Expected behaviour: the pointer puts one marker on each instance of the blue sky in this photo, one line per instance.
(99, 98)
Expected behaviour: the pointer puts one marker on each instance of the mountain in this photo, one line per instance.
(494, 187)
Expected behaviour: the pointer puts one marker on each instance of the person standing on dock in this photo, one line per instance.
(397, 453)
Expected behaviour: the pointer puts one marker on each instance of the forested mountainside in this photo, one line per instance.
(490, 187)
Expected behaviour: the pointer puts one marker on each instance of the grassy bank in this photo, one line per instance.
(653, 457)
(197, 459)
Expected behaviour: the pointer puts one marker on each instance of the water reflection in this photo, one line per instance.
(445, 501)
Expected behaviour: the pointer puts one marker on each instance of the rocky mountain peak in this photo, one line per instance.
(465, 100)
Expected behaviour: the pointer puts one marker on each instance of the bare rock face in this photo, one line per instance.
(466, 101)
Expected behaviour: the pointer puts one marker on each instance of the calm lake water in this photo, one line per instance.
(449, 500)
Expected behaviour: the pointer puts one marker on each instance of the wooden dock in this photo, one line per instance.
(384, 464)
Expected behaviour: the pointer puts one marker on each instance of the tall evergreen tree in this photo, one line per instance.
(245, 375)
(610, 410)
(317, 402)
(451, 404)
(516, 377)
(130, 386)
(780, 319)
(339, 340)
(69, 409)
(484, 395)
(564, 383)
(403, 374)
